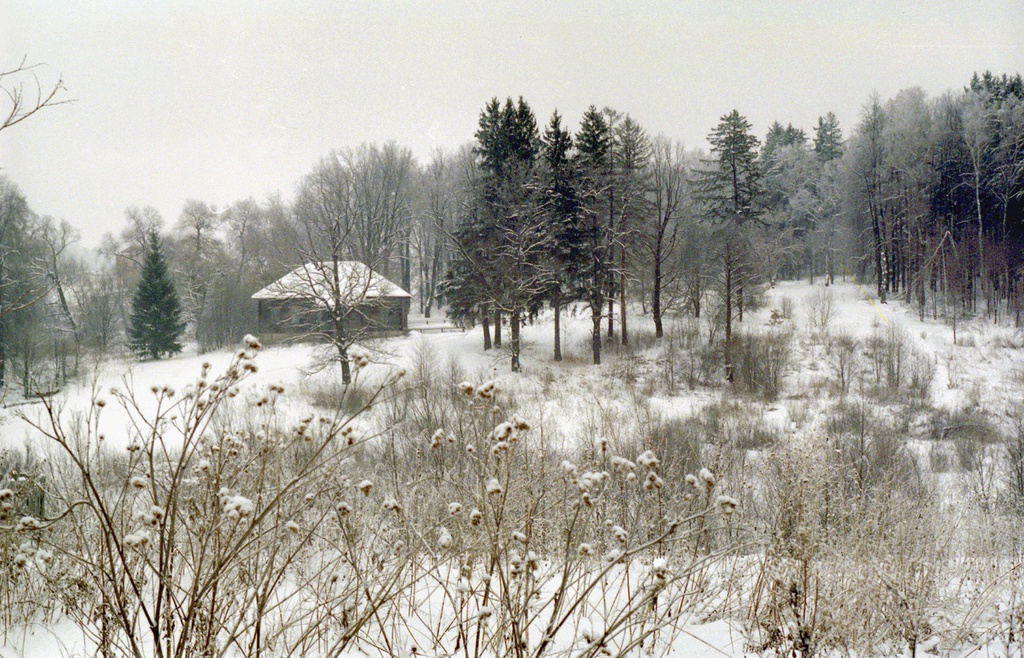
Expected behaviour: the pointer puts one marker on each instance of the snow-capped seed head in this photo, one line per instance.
(444, 537)
(137, 539)
(519, 537)
(238, 506)
(344, 509)
(591, 631)
(134, 447)
(585, 549)
(100, 402)
(476, 517)
(251, 342)
(691, 480)
(502, 431)
(204, 466)
(620, 534)
(6, 494)
(652, 481)
(157, 512)
(138, 482)
(365, 486)
(613, 555)
(622, 464)
(467, 388)
(292, 527)
(145, 518)
(28, 548)
(591, 480)
(493, 487)
(602, 444)
(20, 560)
(500, 446)
(726, 504)
(659, 566)
(437, 439)
(310, 497)
(454, 508)
(647, 459)
(359, 357)
(707, 476)
(569, 468)
(470, 449)
(520, 424)
(487, 390)
(392, 505)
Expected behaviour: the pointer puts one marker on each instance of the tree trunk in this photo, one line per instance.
(486, 323)
(728, 312)
(877, 233)
(3, 353)
(595, 334)
(611, 310)
(556, 304)
(514, 327)
(656, 298)
(407, 265)
(622, 300)
(497, 330)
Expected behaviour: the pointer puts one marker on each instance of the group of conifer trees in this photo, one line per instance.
(924, 200)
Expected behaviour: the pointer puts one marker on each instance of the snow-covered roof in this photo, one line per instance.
(314, 282)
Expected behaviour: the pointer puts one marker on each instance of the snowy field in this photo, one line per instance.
(573, 406)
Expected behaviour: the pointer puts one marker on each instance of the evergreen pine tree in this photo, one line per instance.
(593, 162)
(731, 190)
(155, 324)
(732, 185)
(562, 208)
(828, 138)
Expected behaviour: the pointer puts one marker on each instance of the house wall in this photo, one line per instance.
(295, 318)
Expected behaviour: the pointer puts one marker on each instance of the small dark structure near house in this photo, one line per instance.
(299, 304)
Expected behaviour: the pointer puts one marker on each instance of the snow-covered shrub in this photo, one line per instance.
(195, 539)
(842, 350)
(821, 309)
(897, 366)
(760, 360)
(1015, 462)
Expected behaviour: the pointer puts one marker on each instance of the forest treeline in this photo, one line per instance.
(922, 199)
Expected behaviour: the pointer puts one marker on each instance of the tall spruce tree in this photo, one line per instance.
(828, 138)
(731, 190)
(155, 324)
(500, 247)
(593, 160)
(562, 210)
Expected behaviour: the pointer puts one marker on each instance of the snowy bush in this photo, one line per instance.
(759, 362)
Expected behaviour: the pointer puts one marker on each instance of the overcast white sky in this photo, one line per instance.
(224, 100)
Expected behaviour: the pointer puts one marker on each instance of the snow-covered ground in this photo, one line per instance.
(574, 399)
